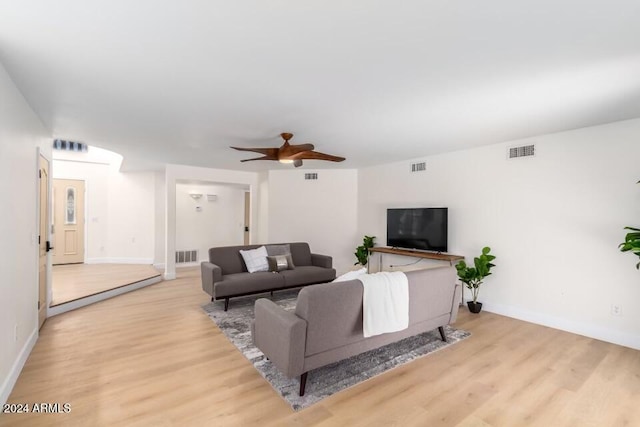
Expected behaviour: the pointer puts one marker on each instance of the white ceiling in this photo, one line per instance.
(373, 81)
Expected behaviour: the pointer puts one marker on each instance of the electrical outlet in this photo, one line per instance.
(616, 310)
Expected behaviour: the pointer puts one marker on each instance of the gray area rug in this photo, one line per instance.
(325, 381)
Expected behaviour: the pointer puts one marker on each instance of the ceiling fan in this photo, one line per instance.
(288, 153)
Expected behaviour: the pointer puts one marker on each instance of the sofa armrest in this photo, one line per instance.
(457, 299)
(280, 335)
(211, 273)
(321, 260)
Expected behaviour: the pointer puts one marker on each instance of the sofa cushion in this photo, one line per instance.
(306, 274)
(280, 263)
(273, 250)
(300, 253)
(255, 259)
(244, 283)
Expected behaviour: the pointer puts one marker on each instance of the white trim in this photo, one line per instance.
(169, 276)
(581, 328)
(159, 265)
(188, 264)
(14, 373)
(114, 260)
(72, 305)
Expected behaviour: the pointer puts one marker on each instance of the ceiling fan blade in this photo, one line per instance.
(265, 151)
(297, 163)
(287, 151)
(314, 155)
(261, 158)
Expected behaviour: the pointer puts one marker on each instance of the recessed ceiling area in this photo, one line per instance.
(372, 81)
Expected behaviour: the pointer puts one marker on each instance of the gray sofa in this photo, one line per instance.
(226, 276)
(327, 323)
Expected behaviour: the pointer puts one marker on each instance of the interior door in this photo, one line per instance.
(247, 216)
(68, 221)
(44, 243)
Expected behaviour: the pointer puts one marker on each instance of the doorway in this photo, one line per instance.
(68, 221)
(43, 238)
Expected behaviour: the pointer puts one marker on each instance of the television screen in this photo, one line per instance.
(418, 228)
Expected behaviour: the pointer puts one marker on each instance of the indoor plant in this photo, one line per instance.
(632, 241)
(472, 276)
(362, 251)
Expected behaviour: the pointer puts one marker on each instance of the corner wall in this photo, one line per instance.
(21, 133)
(554, 222)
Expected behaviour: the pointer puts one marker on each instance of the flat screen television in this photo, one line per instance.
(418, 228)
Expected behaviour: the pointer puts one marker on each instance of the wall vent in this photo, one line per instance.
(61, 144)
(523, 151)
(418, 167)
(183, 257)
(313, 175)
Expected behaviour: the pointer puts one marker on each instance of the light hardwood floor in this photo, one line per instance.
(153, 358)
(74, 281)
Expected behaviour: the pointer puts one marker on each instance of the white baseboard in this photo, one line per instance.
(119, 261)
(159, 265)
(14, 373)
(169, 276)
(580, 328)
(72, 305)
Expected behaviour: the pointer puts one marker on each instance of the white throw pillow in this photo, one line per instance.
(351, 275)
(255, 259)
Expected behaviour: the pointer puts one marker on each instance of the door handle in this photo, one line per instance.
(246, 229)
(48, 246)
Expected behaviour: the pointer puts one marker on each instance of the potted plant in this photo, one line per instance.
(472, 277)
(632, 241)
(362, 251)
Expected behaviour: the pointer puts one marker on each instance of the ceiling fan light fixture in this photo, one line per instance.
(285, 161)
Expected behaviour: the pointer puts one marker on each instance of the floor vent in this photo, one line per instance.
(186, 256)
(311, 175)
(523, 151)
(418, 167)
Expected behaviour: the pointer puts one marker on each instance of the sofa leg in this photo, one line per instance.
(303, 383)
(226, 304)
(442, 335)
(271, 294)
(212, 299)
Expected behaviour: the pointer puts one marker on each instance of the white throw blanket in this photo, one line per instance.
(385, 302)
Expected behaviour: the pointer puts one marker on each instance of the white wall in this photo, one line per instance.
(553, 221)
(21, 131)
(160, 222)
(120, 207)
(321, 212)
(217, 223)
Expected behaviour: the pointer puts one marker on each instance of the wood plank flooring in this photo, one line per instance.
(153, 358)
(74, 281)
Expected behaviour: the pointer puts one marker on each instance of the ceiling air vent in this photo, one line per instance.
(61, 144)
(523, 151)
(418, 167)
(313, 175)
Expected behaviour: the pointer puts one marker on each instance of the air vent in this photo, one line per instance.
(523, 151)
(418, 167)
(183, 257)
(60, 144)
(313, 175)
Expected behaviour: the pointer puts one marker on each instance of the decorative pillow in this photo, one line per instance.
(273, 250)
(255, 259)
(351, 275)
(280, 262)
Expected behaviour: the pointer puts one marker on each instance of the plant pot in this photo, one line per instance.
(474, 307)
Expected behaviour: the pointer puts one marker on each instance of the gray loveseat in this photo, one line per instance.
(327, 323)
(226, 276)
